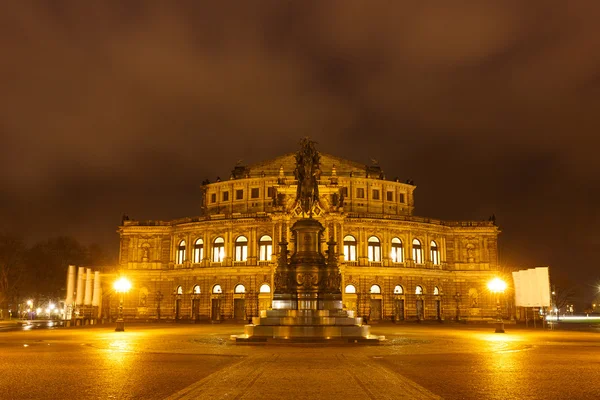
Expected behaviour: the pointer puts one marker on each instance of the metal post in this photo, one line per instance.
(120, 322)
(499, 321)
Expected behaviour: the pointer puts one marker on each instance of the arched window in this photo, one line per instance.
(350, 289)
(435, 253)
(419, 289)
(181, 252)
(349, 248)
(196, 289)
(265, 248)
(397, 251)
(264, 288)
(198, 250)
(241, 248)
(217, 289)
(218, 249)
(239, 289)
(417, 251)
(375, 289)
(398, 290)
(436, 291)
(374, 249)
(179, 289)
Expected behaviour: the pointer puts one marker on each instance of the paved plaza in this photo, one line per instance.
(447, 361)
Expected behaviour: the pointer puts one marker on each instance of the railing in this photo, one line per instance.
(421, 219)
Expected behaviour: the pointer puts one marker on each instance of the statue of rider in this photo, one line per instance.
(307, 174)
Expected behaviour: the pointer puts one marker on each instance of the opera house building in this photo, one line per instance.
(221, 264)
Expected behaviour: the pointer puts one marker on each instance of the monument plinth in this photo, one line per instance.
(307, 301)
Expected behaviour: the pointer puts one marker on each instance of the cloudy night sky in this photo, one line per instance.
(125, 107)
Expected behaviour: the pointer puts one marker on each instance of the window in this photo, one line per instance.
(196, 289)
(218, 250)
(264, 288)
(344, 192)
(241, 249)
(350, 289)
(436, 291)
(179, 290)
(181, 252)
(435, 253)
(374, 249)
(349, 248)
(375, 194)
(390, 196)
(271, 192)
(360, 193)
(239, 194)
(397, 251)
(198, 251)
(225, 196)
(401, 197)
(419, 289)
(239, 289)
(417, 252)
(213, 197)
(217, 289)
(375, 289)
(265, 248)
(398, 290)
(254, 193)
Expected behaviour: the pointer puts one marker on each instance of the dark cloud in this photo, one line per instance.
(491, 107)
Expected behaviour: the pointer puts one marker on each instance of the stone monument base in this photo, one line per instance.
(307, 326)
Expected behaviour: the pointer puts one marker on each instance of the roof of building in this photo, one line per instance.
(288, 162)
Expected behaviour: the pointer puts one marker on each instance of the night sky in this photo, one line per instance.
(125, 107)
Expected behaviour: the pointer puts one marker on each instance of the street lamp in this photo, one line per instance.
(498, 286)
(121, 286)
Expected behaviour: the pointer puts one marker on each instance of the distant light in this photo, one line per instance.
(29, 303)
(47, 311)
(38, 310)
(122, 285)
(52, 306)
(572, 318)
(497, 285)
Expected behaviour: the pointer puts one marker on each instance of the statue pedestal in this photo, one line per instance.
(307, 326)
(311, 309)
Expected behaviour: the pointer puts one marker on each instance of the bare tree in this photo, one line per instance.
(12, 251)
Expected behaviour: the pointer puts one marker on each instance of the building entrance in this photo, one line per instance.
(239, 309)
(420, 311)
(375, 310)
(399, 309)
(195, 309)
(215, 314)
(177, 309)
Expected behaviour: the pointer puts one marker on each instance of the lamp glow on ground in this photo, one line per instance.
(498, 286)
(121, 286)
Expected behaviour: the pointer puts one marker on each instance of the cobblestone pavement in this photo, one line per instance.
(200, 362)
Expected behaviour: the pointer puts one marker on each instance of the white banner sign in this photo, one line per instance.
(532, 287)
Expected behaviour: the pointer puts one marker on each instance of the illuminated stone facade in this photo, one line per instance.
(221, 264)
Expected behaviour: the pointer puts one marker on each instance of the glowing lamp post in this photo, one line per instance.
(121, 286)
(498, 286)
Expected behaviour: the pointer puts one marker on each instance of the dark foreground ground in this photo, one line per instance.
(199, 362)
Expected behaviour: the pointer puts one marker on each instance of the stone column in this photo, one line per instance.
(70, 285)
(88, 288)
(80, 286)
